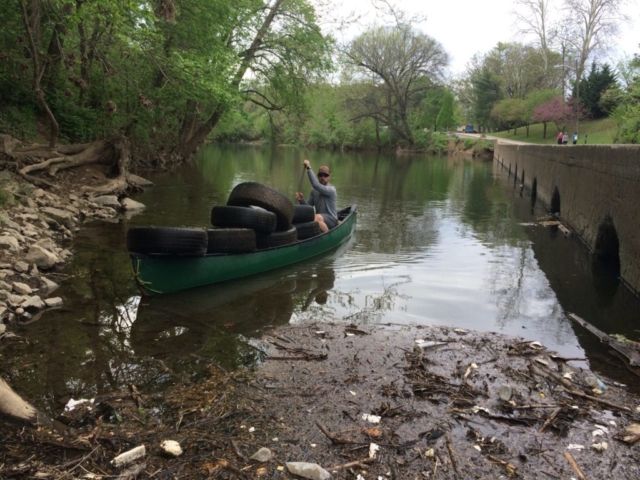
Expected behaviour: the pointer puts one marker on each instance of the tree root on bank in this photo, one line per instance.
(15, 408)
(114, 152)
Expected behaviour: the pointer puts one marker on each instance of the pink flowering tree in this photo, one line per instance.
(555, 110)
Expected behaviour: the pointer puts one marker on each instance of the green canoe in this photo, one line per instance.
(156, 274)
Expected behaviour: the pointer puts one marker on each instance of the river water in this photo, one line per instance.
(440, 241)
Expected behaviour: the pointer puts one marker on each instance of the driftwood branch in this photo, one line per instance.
(629, 352)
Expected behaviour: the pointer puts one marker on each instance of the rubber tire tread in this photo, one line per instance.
(253, 193)
(277, 239)
(167, 240)
(226, 216)
(303, 214)
(307, 230)
(231, 240)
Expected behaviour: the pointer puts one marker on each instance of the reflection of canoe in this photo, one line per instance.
(162, 274)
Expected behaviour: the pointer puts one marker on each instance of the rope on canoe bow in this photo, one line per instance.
(141, 283)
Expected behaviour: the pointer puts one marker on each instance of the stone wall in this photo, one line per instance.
(594, 188)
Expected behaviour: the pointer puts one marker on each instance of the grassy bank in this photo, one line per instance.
(595, 131)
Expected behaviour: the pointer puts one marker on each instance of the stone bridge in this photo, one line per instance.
(594, 188)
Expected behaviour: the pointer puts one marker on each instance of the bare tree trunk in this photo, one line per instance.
(197, 139)
(38, 71)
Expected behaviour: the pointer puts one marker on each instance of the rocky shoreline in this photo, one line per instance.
(36, 230)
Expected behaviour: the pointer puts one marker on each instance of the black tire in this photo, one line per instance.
(225, 216)
(307, 230)
(252, 193)
(277, 239)
(303, 214)
(231, 240)
(167, 240)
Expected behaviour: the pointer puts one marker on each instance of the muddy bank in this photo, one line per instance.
(361, 402)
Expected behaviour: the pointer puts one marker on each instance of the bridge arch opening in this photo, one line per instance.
(607, 243)
(515, 174)
(534, 192)
(522, 182)
(554, 207)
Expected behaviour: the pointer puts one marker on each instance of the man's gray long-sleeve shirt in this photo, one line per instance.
(324, 198)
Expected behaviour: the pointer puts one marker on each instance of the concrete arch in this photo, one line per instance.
(554, 206)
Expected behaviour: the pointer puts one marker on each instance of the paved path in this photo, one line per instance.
(477, 136)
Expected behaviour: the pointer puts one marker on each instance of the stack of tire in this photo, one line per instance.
(304, 222)
(256, 217)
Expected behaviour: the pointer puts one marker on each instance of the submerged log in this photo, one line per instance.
(632, 355)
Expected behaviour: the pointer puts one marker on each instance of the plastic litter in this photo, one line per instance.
(262, 455)
(373, 448)
(594, 382)
(171, 448)
(429, 344)
(575, 446)
(600, 447)
(631, 434)
(505, 392)
(371, 418)
(71, 404)
(312, 471)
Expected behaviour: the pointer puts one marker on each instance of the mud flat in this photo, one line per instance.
(362, 402)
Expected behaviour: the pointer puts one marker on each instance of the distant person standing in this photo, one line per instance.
(560, 138)
(565, 138)
(574, 138)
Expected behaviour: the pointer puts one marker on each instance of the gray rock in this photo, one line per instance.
(33, 303)
(47, 244)
(108, 201)
(505, 393)
(262, 455)
(34, 271)
(21, 266)
(8, 144)
(72, 209)
(11, 224)
(53, 302)
(15, 300)
(73, 197)
(3, 327)
(9, 243)
(60, 216)
(129, 204)
(312, 471)
(22, 288)
(19, 311)
(47, 285)
(64, 254)
(5, 286)
(44, 259)
(38, 193)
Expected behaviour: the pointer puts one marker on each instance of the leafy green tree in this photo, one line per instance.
(445, 120)
(627, 113)
(487, 92)
(393, 61)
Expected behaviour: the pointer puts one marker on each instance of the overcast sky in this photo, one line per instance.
(466, 27)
